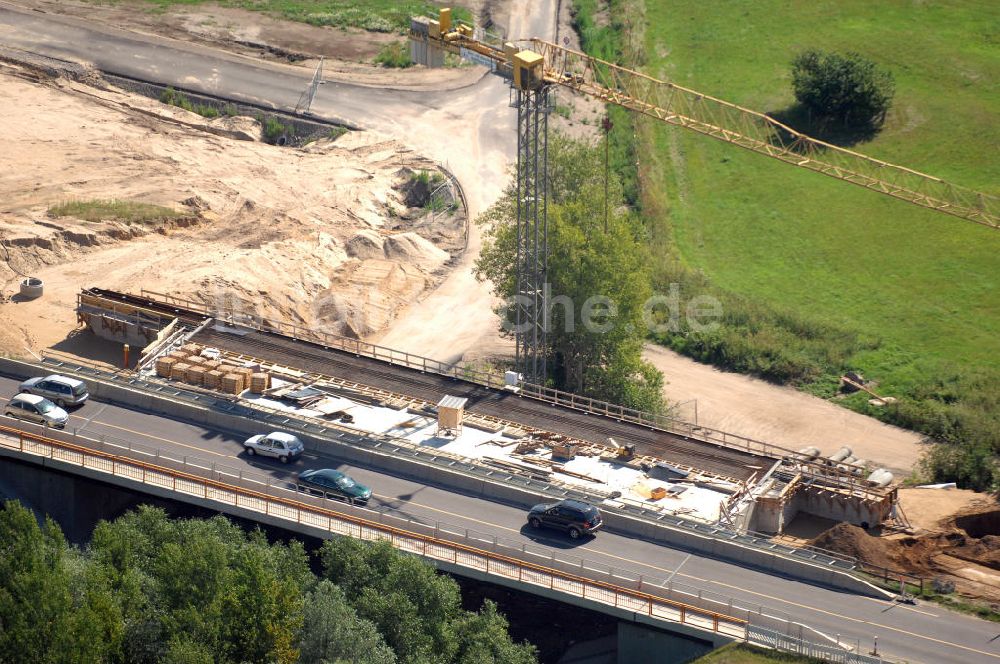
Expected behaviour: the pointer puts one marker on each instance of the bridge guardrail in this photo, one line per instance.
(304, 510)
(551, 395)
(434, 457)
(827, 653)
(667, 588)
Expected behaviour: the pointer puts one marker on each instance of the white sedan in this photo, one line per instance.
(278, 444)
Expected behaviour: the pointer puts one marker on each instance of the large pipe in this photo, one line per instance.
(809, 453)
(880, 477)
(841, 454)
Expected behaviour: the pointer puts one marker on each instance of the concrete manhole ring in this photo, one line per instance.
(31, 288)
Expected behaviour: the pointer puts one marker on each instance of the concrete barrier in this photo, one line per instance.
(210, 412)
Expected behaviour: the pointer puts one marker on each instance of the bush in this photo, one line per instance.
(395, 54)
(174, 98)
(848, 87)
(420, 190)
(275, 129)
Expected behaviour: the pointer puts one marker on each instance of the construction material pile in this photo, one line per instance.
(195, 365)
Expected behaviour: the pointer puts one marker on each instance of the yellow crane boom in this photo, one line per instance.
(545, 63)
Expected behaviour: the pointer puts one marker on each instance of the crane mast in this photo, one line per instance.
(534, 66)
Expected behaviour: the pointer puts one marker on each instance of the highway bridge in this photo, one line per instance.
(197, 455)
(920, 633)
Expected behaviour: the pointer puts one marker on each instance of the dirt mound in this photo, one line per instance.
(366, 244)
(412, 248)
(283, 233)
(240, 127)
(953, 557)
(850, 540)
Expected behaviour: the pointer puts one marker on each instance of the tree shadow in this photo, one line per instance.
(832, 131)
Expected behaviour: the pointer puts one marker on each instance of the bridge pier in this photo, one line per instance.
(75, 503)
(641, 643)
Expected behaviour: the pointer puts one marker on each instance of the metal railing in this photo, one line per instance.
(417, 454)
(220, 487)
(551, 395)
(893, 579)
(828, 653)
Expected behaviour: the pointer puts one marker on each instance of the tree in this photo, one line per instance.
(598, 277)
(188, 587)
(332, 632)
(416, 610)
(483, 639)
(404, 597)
(849, 88)
(48, 612)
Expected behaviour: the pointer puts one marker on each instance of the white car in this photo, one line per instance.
(278, 444)
(33, 408)
(61, 390)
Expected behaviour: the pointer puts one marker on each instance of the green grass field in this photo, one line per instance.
(739, 653)
(927, 284)
(131, 212)
(920, 287)
(372, 15)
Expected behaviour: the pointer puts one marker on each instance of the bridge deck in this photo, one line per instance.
(486, 401)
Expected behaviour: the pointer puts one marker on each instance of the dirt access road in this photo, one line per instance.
(470, 129)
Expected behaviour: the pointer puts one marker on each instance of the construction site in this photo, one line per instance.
(625, 458)
(288, 279)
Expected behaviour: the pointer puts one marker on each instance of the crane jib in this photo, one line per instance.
(535, 63)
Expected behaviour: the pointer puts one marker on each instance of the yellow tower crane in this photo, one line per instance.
(539, 65)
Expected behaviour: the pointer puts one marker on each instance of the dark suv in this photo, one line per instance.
(573, 516)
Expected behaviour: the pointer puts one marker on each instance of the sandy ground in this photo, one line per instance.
(455, 320)
(316, 235)
(781, 415)
(933, 510)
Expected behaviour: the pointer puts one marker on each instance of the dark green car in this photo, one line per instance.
(335, 484)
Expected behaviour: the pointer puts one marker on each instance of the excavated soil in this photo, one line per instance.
(963, 548)
(319, 235)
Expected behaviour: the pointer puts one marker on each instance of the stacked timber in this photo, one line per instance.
(211, 364)
(212, 379)
(179, 370)
(164, 365)
(259, 382)
(192, 349)
(195, 374)
(244, 373)
(232, 383)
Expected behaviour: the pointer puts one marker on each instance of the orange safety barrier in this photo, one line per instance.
(685, 612)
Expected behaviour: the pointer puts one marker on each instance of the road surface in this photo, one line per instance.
(922, 633)
(471, 130)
